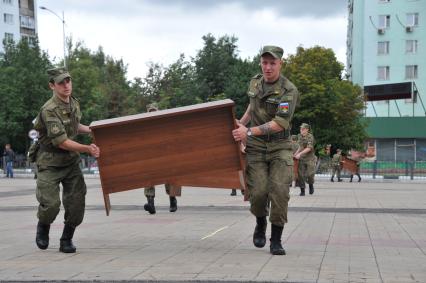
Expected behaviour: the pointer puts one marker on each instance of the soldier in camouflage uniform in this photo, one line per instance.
(307, 159)
(269, 168)
(336, 163)
(150, 192)
(57, 158)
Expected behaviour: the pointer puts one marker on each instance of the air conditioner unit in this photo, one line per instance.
(409, 28)
(381, 31)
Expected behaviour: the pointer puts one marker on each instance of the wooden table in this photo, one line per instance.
(185, 146)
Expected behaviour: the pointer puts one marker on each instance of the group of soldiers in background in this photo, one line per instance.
(304, 153)
(338, 161)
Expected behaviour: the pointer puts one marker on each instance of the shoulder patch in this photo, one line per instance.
(258, 76)
(75, 98)
(54, 128)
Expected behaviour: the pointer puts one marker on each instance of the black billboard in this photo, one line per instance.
(388, 91)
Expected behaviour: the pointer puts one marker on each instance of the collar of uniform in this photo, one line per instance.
(62, 104)
(277, 89)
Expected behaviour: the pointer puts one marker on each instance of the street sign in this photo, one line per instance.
(33, 134)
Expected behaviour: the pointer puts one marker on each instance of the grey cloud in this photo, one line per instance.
(285, 8)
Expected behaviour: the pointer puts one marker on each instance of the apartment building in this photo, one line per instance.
(18, 19)
(386, 56)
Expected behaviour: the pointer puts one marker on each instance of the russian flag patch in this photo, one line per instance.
(283, 107)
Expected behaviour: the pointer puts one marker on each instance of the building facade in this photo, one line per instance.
(18, 19)
(386, 55)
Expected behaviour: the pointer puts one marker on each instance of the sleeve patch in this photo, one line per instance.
(283, 107)
(54, 128)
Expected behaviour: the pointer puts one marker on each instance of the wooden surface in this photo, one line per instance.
(185, 146)
(349, 164)
(295, 169)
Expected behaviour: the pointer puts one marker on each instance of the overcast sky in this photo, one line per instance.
(140, 31)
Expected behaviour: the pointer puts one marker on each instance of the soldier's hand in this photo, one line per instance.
(297, 156)
(240, 134)
(94, 150)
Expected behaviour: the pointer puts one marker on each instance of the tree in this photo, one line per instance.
(237, 84)
(213, 66)
(23, 90)
(177, 85)
(333, 107)
(99, 82)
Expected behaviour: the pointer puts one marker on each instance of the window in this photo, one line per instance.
(27, 22)
(30, 39)
(405, 150)
(383, 73)
(412, 19)
(384, 21)
(411, 72)
(384, 1)
(421, 149)
(8, 2)
(382, 47)
(8, 36)
(8, 18)
(411, 46)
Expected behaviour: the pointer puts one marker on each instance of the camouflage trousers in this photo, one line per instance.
(336, 170)
(306, 172)
(150, 192)
(73, 194)
(269, 176)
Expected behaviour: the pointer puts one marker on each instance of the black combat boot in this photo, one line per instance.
(150, 207)
(359, 177)
(233, 192)
(42, 236)
(302, 192)
(332, 179)
(66, 245)
(276, 248)
(339, 180)
(311, 189)
(259, 235)
(173, 204)
(352, 176)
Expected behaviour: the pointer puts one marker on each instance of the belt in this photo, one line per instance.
(283, 135)
(47, 148)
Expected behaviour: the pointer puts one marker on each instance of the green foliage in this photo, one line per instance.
(213, 65)
(333, 107)
(177, 85)
(23, 90)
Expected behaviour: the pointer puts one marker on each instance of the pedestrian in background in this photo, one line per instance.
(58, 161)
(9, 155)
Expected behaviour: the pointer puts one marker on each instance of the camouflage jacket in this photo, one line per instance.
(56, 122)
(304, 142)
(337, 159)
(272, 102)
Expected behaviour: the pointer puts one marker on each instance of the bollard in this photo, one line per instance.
(374, 169)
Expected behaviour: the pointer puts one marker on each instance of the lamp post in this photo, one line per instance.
(63, 28)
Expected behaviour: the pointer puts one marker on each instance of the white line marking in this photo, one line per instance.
(215, 232)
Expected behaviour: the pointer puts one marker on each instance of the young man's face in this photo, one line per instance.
(62, 89)
(271, 67)
(303, 131)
